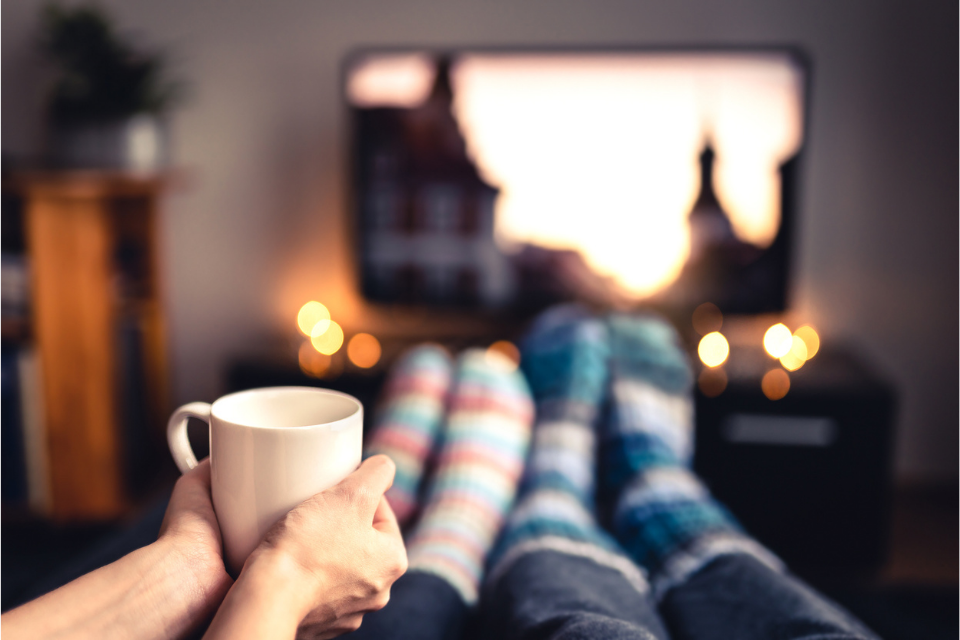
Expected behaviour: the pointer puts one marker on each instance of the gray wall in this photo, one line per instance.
(260, 227)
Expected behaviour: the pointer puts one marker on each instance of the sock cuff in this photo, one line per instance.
(684, 563)
(453, 573)
(581, 549)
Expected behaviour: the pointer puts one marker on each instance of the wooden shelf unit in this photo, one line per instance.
(92, 251)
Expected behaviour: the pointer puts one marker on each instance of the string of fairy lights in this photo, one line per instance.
(318, 353)
(325, 337)
(790, 349)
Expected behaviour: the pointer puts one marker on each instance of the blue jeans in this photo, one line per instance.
(552, 595)
(547, 594)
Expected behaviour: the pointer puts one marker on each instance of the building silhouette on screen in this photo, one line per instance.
(427, 215)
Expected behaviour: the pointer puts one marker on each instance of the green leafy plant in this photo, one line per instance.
(101, 78)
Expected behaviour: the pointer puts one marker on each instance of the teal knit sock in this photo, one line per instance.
(485, 443)
(664, 516)
(565, 360)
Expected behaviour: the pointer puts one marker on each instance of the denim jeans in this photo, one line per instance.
(547, 594)
(553, 595)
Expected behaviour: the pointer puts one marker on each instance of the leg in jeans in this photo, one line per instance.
(714, 581)
(554, 572)
(422, 606)
(569, 596)
(736, 596)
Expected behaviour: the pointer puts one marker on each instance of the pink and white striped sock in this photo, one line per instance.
(408, 421)
(484, 448)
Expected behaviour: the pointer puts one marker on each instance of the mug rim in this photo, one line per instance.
(357, 412)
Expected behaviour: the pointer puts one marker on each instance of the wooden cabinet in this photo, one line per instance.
(98, 328)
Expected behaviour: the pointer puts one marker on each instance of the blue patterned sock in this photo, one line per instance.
(565, 358)
(664, 517)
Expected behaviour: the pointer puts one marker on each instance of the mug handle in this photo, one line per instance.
(177, 433)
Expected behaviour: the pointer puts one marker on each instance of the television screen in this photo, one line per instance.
(509, 180)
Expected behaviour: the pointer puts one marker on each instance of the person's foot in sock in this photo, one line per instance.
(664, 516)
(408, 421)
(484, 446)
(565, 358)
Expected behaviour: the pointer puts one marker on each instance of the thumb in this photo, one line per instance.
(370, 481)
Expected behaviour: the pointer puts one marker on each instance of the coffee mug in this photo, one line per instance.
(270, 449)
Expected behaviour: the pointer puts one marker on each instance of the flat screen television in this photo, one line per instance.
(507, 180)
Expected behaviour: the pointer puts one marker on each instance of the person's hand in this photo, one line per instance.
(167, 589)
(331, 559)
(347, 545)
(191, 531)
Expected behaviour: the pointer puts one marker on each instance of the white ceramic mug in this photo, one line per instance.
(270, 449)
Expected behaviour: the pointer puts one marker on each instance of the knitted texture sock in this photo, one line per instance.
(408, 421)
(565, 359)
(485, 444)
(664, 516)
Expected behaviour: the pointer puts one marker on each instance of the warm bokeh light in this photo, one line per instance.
(797, 355)
(506, 348)
(778, 340)
(363, 350)
(713, 349)
(810, 338)
(310, 315)
(712, 382)
(327, 342)
(775, 384)
(312, 363)
(707, 318)
(623, 134)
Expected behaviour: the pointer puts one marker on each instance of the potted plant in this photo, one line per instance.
(106, 106)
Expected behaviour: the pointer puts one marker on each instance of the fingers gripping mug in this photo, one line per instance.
(270, 449)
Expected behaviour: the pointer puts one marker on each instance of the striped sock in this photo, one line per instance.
(565, 359)
(484, 447)
(408, 420)
(664, 516)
